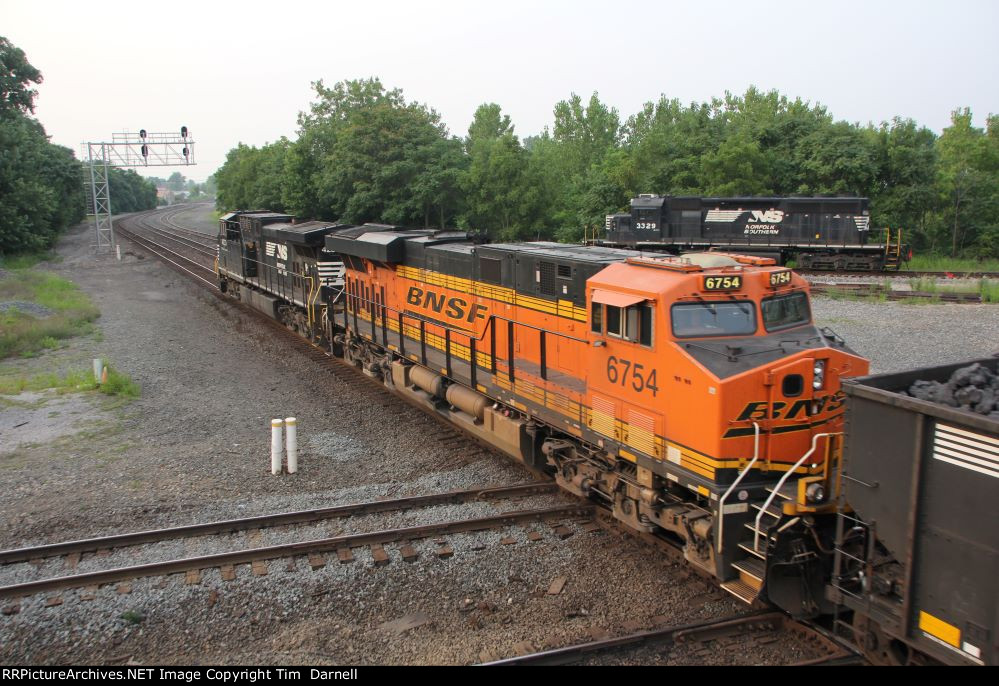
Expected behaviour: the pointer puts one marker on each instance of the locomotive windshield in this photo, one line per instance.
(785, 311)
(713, 319)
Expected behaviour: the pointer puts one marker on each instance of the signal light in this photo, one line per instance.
(183, 132)
(185, 153)
(142, 134)
(145, 150)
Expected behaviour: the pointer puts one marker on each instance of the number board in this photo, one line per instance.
(722, 283)
(780, 278)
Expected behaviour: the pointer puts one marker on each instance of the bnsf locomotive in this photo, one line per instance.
(693, 397)
(818, 233)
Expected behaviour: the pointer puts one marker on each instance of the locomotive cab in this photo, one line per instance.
(717, 354)
(737, 337)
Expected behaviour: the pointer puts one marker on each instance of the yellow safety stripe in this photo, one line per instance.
(936, 627)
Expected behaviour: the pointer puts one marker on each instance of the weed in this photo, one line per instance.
(132, 616)
(990, 290)
(936, 263)
(28, 260)
(25, 335)
(117, 384)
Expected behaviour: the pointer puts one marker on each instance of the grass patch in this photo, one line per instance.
(25, 334)
(989, 290)
(925, 285)
(28, 260)
(934, 263)
(881, 297)
(117, 384)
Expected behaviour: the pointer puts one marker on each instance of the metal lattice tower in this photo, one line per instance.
(100, 193)
(125, 150)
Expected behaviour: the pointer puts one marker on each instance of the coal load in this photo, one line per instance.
(974, 388)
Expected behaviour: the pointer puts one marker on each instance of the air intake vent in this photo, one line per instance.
(546, 278)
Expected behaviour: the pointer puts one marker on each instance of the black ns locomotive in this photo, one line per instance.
(817, 233)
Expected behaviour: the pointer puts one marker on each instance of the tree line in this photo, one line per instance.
(185, 190)
(41, 184)
(365, 153)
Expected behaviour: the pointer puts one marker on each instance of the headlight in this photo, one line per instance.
(819, 378)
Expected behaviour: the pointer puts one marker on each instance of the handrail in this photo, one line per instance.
(311, 300)
(783, 479)
(721, 502)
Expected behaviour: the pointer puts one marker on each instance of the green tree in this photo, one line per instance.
(130, 192)
(176, 182)
(495, 183)
(41, 190)
(837, 158)
(16, 77)
(365, 154)
(904, 194)
(737, 167)
(968, 181)
(253, 178)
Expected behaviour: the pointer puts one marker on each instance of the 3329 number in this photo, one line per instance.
(627, 373)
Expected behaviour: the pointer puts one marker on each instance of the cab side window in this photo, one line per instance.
(633, 323)
(615, 322)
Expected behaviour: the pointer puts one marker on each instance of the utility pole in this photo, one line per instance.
(126, 150)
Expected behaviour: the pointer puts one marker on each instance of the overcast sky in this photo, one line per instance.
(241, 71)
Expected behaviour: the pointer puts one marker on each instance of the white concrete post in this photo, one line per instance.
(98, 369)
(276, 446)
(291, 438)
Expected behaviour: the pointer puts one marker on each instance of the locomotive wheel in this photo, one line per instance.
(878, 648)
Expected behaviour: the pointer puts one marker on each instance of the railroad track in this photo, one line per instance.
(90, 545)
(759, 628)
(177, 261)
(311, 549)
(905, 274)
(875, 290)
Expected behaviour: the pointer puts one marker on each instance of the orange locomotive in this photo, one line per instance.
(693, 396)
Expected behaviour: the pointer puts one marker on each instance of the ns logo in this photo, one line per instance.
(277, 250)
(768, 217)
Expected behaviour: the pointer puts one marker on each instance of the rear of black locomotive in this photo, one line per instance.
(276, 265)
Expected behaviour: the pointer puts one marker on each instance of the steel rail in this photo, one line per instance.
(761, 620)
(262, 521)
(903, 274)
(665, 635)
(322, 545)
(186, 242)
(152, 246)
(876, 290)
